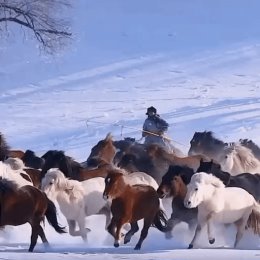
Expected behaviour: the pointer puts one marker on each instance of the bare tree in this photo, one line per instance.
(40, 17)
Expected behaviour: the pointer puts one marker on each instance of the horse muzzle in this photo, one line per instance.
(188, 204)
(105, 196)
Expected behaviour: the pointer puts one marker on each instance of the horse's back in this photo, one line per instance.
(141, 178)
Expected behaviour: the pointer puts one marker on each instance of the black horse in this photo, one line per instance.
(247, 181)
(4, 148)
(31, 160)
(173, 185)
(58, 159)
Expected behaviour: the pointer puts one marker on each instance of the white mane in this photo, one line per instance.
(7, 172)
(205, 178)
(240, 159)
(72, 187)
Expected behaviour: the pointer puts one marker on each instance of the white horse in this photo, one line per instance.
(76, 200)
(220, 204)
(237, 159)
(7, 172)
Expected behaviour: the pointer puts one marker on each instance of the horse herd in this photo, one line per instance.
(127, 181)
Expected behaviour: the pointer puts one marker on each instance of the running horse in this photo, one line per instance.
(219, 204)
(27, 204)
(131, 203)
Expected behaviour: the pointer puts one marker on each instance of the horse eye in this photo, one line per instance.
(196, 189)
(51, 183)
(226, 157)
(108, 180)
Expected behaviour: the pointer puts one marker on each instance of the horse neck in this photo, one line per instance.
(97, 172)
(171, 158)
(208, 193)
(69, 190)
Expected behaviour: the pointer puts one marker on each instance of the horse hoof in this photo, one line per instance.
(190, 246)
(116, 245)
(137, 247)
(212, 241)
(168, 235)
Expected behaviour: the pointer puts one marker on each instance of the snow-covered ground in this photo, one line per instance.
(196, 61)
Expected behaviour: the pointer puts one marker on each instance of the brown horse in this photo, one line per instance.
(159, 155)
(15, 154)
(27, 204)
(130, 204)
(174, 185)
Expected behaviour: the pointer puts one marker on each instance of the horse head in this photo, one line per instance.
(205, 143)
(104, 150)
(114, 184)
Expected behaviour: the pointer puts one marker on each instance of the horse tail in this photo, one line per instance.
(51, 215)
(160, 221)
(253, 221)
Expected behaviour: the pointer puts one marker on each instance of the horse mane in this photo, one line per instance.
(4, 148)
(175, 170)
(209, 135)
(29, 153)
(202, 177)
(244, 155)
(7, 186)
(251, 145)
(72, 187)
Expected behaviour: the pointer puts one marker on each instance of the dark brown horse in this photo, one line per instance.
(27, 205)
(174, 185)
(71, 168)
(130, 204)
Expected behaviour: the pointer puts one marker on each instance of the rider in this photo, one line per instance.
(154, 128)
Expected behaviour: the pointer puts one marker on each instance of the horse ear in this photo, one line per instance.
(109, 137)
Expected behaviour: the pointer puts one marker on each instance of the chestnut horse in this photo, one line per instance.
(130, 204)
(27, 204)
(173, 186)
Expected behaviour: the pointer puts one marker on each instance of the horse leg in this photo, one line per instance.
(72, 228)
(144, 232)
(107, 212)
(197, 233)
(119, 226)
(131, 232)
(42, 236)
(171, 223)
(83, 231)
(240, 224)
(112, 227)
(209, 230)
(34, 237)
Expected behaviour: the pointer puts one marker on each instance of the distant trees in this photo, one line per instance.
(40, 18)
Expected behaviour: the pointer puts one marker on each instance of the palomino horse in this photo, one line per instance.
(77, 200)
(247, 181)
(130, 204)
(159, 156)
(237, 159)
(173, 186)
(220, 204)
(233, 158)
(252, 146)
(27, 204)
